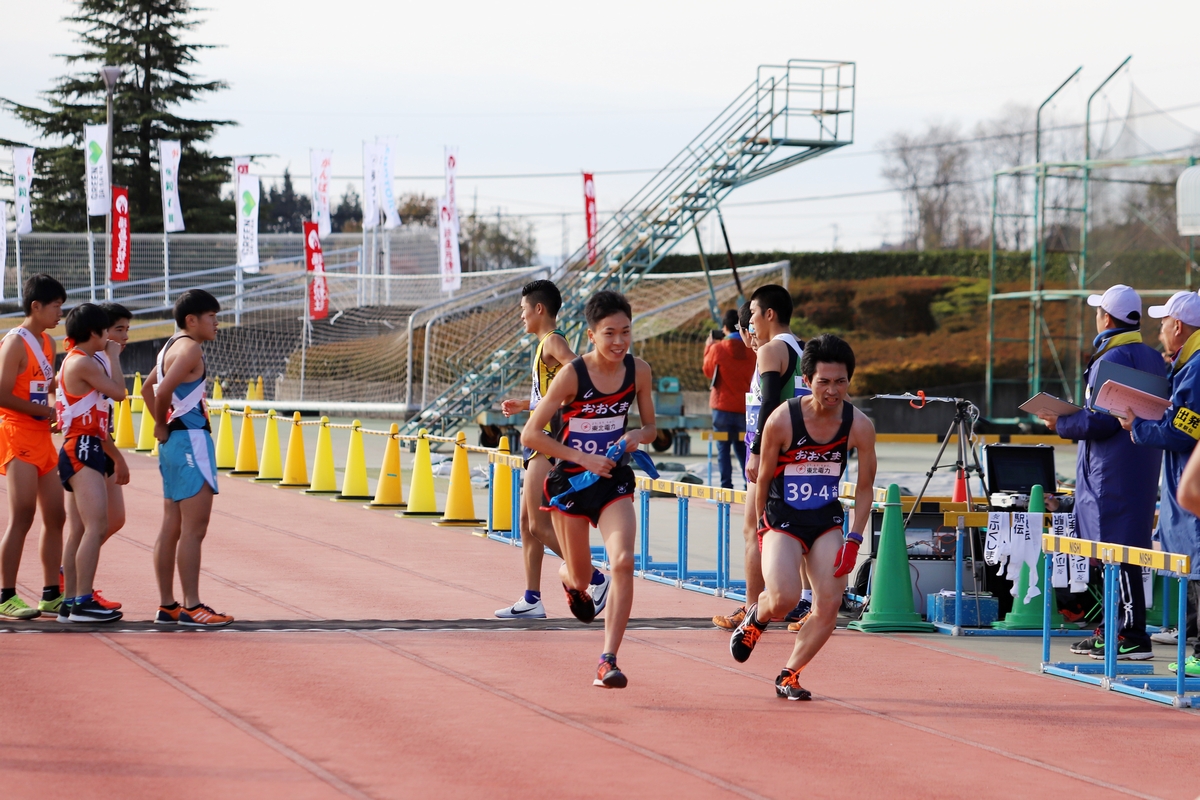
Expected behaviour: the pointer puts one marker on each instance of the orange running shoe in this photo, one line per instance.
(167, 616)
(787, 686)
(111, 605)
(730, 622)
(798, 624)
(747, 634)
(203, 617)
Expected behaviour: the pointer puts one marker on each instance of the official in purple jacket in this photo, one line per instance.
(1116, 481)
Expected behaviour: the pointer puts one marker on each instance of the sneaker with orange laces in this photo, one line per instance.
(787, 686)
(747, 634)
(794, 627)
(203, 617)
(111, 605)
(728, 623)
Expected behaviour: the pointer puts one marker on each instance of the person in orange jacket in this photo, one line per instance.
(729, 366)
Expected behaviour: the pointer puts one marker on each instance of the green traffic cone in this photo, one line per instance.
(891, 589)
(1028, 616)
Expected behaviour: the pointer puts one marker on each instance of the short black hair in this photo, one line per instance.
(544, 292)
(42, 288)
(730, 322)
(84, 320)
(604, 304)
(774, 297)
(194, 301)
(744, 315)
(826, 349)
(116, 312)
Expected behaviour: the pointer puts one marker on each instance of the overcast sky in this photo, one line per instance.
(559, 87)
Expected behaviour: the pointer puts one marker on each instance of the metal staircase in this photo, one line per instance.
(789, 114)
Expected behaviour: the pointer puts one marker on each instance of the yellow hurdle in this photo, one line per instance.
(389, 492)
(247, 452)
(270, 469)
(354, 479)
(135, 397)
(324, 478)
(501, 510)
(146, 440)
(226, 453)
(460, 503)
(123, 432)
(421, 500)
(295, 466)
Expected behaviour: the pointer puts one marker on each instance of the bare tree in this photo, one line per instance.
(931, 168)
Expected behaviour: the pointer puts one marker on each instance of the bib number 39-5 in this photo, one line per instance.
(810, 485)
(594, 435)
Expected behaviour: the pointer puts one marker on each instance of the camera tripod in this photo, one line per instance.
(966, 414)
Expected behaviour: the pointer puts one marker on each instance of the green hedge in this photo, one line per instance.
(1143, 269)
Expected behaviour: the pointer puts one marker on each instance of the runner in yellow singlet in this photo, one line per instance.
(540, 302)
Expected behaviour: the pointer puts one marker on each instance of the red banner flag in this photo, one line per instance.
(314, 262)
(589, 210)
(120, 234)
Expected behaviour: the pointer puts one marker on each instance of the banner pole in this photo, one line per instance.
(166, 271)
(304, 331)
(237, 299)
(20, 280)
(387, 268)
(91, 259)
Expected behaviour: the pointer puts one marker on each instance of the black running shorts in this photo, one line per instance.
(590, 501)
(781, 517)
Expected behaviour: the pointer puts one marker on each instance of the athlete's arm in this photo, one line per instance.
(184, 360)
(510, 407)
(534, 436)
(92, 375)
(774, 436)
(771, 360)
(120, 468)
(862, 438)
(12, 364)
(644, 381)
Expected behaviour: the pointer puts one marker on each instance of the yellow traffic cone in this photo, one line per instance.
(135, 397)
(146, 440)
(251, 394)
(258, 390)
(354, 479)
(501, 493)
(324, 479)
(246, 464)
(460, 503)
(295, 466)
(421, 500)
(270, 469)
(124, 427)
(218, 392)
(226, 453)
(389, 492)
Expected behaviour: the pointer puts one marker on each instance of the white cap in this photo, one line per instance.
(1183, 306)
(1120, 302)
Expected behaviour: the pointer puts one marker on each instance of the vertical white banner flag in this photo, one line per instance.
(95, 161)
(321, 171)
(168, 175)
(386, 149)
(451, 190)
(370, 193)
(3, 243)
(449, 263)
(22, 186)
(241, 166)
(247, 200)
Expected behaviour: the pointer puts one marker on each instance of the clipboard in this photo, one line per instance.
(1114, 398)
(1043, 402)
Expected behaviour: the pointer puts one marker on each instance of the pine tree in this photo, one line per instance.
(143, 37)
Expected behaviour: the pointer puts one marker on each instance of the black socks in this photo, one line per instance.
(7, 594)
(50, 592)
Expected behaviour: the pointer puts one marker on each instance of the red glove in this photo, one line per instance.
(846, 556)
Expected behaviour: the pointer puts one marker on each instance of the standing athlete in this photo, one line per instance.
(540, 302)
(805, 443)
(776, 379)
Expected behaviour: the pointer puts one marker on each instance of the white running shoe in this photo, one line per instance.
(523, 610)
(1166, 636)
(600, 593)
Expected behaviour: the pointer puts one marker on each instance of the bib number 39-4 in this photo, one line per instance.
(810, 485)
(594, 436)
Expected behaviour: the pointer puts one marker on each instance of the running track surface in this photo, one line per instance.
(469, 711)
